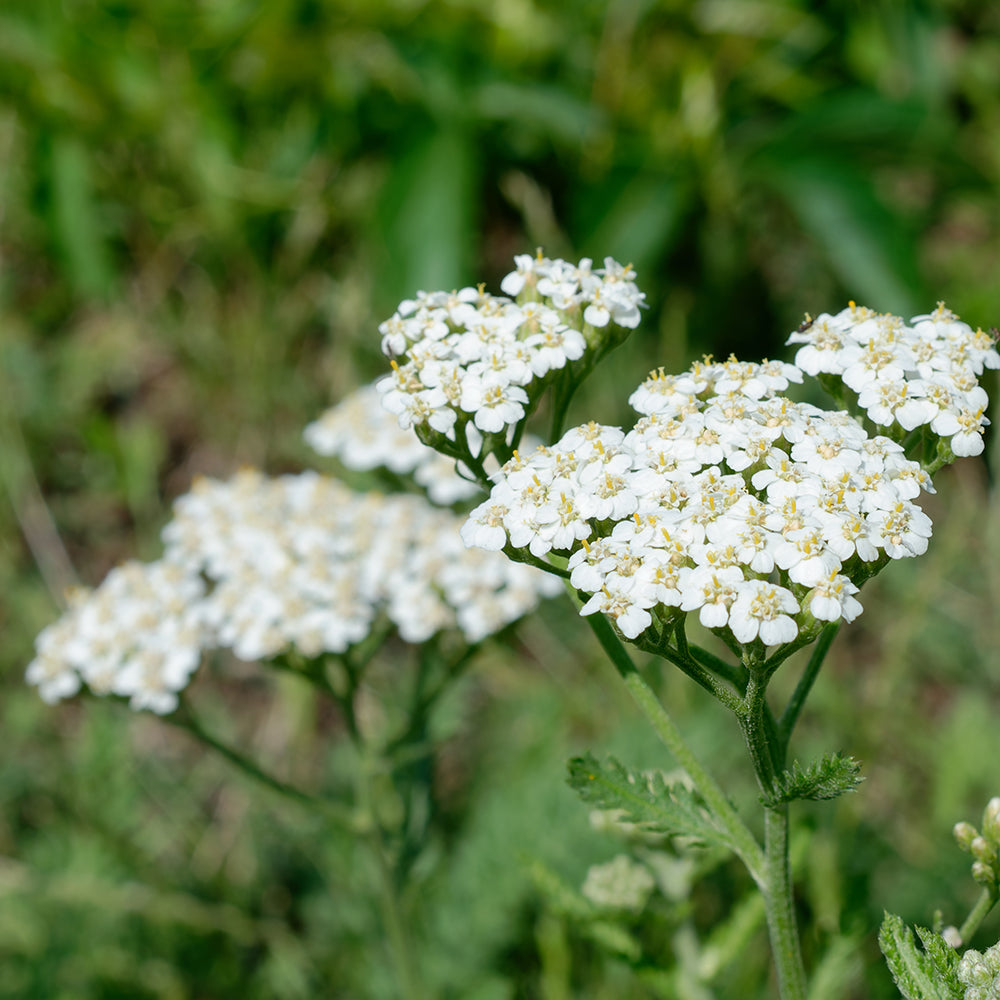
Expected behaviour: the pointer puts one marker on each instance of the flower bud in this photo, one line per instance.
(991, 819)
(965, 833)
(984, 874)
(983, 850)
(951, 936)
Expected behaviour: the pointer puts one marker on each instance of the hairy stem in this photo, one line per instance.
(743, 840)
(791, 713)
(984, 904)
(780, 907)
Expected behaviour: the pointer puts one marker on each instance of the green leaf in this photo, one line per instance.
(863, 239)
(428, 210)
(913, 970)
(641, 218)
(76, 218)
(945, 960)
(826, 778)
(647, 800)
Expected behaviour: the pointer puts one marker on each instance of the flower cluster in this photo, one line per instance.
(619, 884)
(364, 436)
(905, 377)
(726, 498)
(261, 566)
(139, 635)
(983, 846)
(979, 973)
(476, 363)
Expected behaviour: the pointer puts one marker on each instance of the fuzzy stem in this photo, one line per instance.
(791, 713)
(780, 907)
(743, 840)
(765, 749)
(984, 904)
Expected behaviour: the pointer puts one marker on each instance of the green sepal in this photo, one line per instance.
(826, 778)
(649, 801)
(919, 975)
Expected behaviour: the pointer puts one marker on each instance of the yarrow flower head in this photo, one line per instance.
(139, 635)
(726, 498)
(364, 436)
(262, 566)
(904, 376)
(620, 884)
(468, 364)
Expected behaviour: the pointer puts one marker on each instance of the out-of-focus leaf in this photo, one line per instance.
(76, 218)
(857, 119)
(427, 214)
(646, 800)
(866, 244)
(554, 110)
(640, 223)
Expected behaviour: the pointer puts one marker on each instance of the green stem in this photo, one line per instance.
(984, 904)
(185, 719)
(389, 891)
(743, 841)
(780, 907)
(766, 752)
(682, 659)
(736, 675)
(757, 733)
(399, 939)
(564, 389)
(791, 713)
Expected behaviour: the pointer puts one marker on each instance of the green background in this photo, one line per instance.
(205, 211)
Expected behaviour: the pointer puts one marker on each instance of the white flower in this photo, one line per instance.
(832, 599)
(484, 529)
(806, 556)
(760, 611)
(711, 592)
(964, 426)
(621, 884)
(261, 566)
(722, 482)
(481, 351)
(902, 531)
(620, 603)
(516, 280)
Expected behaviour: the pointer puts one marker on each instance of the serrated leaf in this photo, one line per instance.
(647, 800)
(826, 778)
(912, 969)
(945, 960)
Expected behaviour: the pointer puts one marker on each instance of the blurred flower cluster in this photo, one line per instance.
(263, 566)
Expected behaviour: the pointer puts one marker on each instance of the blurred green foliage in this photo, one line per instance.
(205, 210)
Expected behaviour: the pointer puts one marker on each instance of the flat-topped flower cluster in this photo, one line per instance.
(726, 498)
(264, 566)
(476, 362)
(364, 436)
(903, 376)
